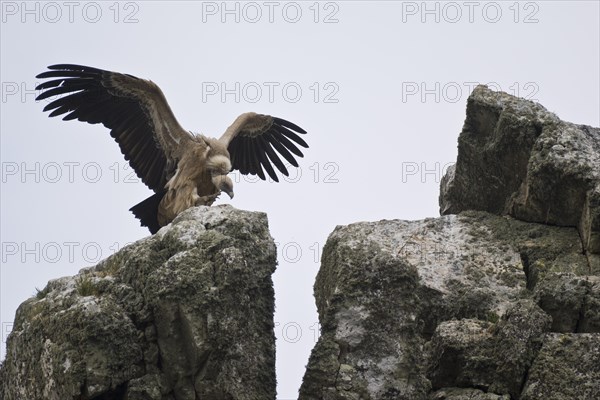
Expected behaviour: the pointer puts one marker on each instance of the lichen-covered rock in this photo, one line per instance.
(572, 301)
(370, 346)
(461, 354)
(410, 308)
(384, 288)
(515, 157)
(459, 307)
(495, 357)
(543, 249)
(566, 367)
(184, 314)
(517, 341)
(590, 317)
(465, 394)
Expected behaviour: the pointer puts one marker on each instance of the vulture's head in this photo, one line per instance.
(219, 166)
(224, 183)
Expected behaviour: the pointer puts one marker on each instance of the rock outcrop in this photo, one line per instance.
(517, 158)
(181, 315)
(497, 299)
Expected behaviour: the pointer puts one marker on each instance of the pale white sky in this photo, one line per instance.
(381, 88)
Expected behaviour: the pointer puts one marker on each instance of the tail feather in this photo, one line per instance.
(147, 211)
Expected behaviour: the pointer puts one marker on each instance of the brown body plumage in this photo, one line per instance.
(183, 169)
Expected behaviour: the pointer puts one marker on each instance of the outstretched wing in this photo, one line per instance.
(135, 110)
(255, 141)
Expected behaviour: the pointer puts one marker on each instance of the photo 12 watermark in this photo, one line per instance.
(252, 12)
(254, 92)
(7, 328)
(294, 252)
(423, 253)
(423, 172)
(18, 92)
(52, 12)
(318, 172)
(454, 92)
(292, 332)
(25, 91)
(55, 172)
(52, 252)
(453, 12)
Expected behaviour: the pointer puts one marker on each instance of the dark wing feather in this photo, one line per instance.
(255, 143)
(283, 125)
(274, 157)
(135, 110)
(264, 159)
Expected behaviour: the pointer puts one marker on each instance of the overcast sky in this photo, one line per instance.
(381, 88)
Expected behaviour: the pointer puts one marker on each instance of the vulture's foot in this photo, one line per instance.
(206, 200)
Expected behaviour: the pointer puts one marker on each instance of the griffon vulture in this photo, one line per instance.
(183, 169)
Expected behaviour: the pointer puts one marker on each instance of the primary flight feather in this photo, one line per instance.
(184, 170)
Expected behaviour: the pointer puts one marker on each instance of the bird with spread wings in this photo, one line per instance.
(183, 169)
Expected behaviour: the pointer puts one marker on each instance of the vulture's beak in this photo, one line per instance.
(225, 184)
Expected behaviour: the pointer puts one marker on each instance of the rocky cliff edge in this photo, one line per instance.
(497, 299)
(181, 315)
